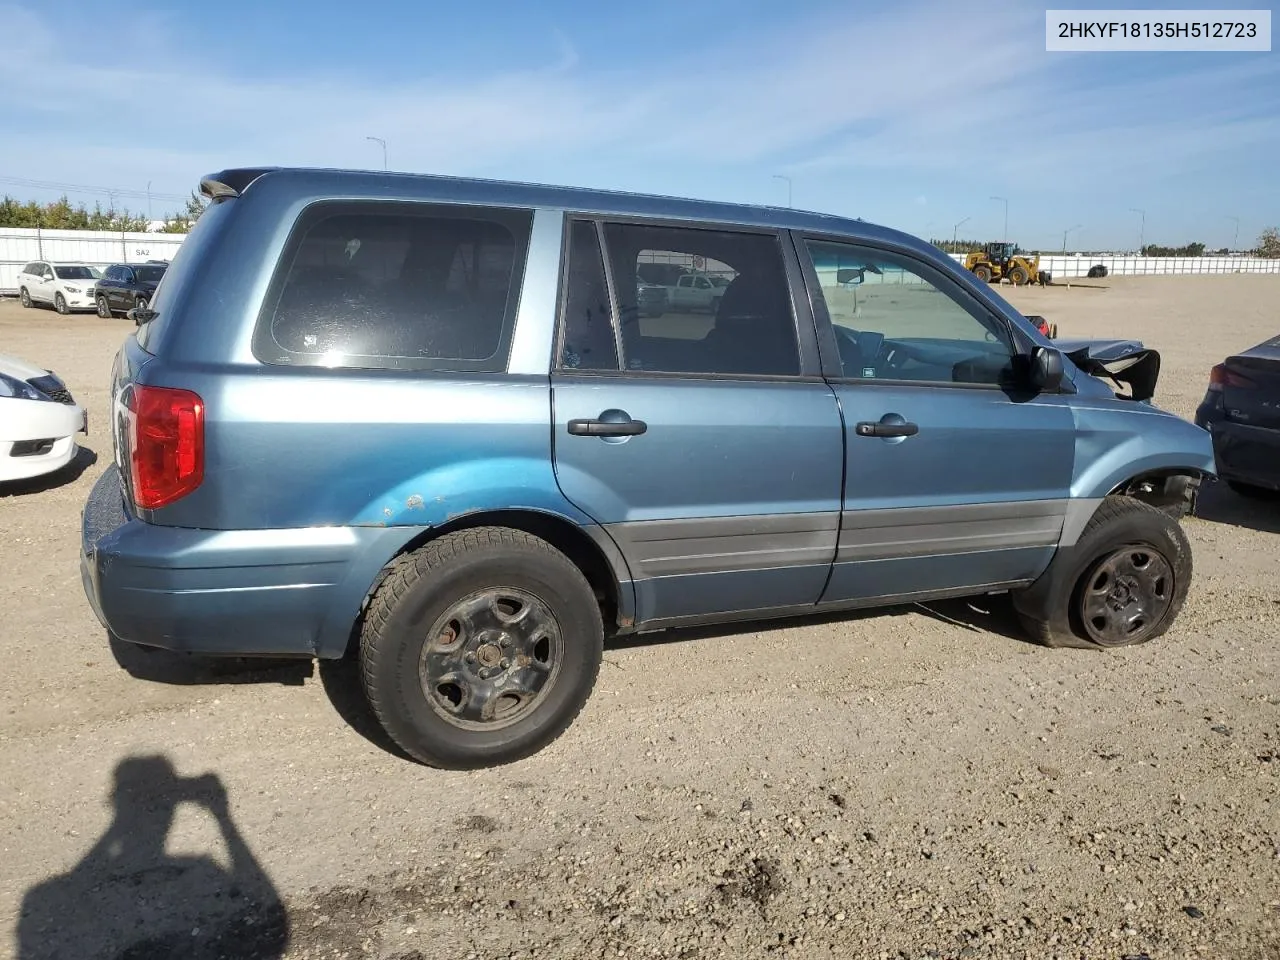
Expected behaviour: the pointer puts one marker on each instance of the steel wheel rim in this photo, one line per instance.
(1126, 595)
(491, 659)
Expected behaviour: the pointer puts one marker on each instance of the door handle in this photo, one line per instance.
(868, 428)
(607, 428)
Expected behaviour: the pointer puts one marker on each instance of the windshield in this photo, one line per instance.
(149, 274)
(76, 273)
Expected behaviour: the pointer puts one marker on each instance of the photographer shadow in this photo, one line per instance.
(130, 899)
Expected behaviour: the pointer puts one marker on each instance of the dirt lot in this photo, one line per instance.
(892, 784)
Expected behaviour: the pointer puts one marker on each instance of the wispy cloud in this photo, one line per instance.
(920, 87)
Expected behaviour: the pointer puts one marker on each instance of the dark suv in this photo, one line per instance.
(126, 286)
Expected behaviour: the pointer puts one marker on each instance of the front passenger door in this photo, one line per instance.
(957, 478)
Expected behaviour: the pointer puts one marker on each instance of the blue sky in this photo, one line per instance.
(911, 114)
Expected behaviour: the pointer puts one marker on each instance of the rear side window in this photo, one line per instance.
(702, 301)
(402, 286)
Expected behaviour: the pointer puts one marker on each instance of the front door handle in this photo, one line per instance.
(607, 428)
(868, 428)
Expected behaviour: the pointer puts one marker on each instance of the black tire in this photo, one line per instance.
(417, 601)
(104, 308)
(1018, 276)
(60, 304)
(1053, 610)
(982, 272)
(140, 303)
(1253, 492)
(24, 298)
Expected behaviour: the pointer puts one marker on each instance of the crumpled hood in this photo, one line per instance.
(20, 369)
(1127, 362)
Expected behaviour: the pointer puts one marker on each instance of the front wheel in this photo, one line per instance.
(1017, 276)
(480, 648)
(60, 304)
(104, 308)
(1122, 583)
(140, 304)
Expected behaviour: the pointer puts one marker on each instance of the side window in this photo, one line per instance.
(113, 273)
(588, 342)
(746, 327)
(30, 268)
(388, 286)
(892, 323)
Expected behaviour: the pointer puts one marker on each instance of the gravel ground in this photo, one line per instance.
(904, 783)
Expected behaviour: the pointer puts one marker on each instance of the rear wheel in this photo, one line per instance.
(24, 298)
(104, 308)
(60, 304)
(480, 648)
(982, 272)
(1122, 583)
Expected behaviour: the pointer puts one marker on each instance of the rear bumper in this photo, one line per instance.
(1246, 453)
(293, 592)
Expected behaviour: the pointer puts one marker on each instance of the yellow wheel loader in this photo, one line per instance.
(999, 261)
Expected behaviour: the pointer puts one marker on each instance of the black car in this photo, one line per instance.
(125, 286)
(1242, 410)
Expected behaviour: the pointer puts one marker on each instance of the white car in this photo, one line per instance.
(39, 421)
(66, 286)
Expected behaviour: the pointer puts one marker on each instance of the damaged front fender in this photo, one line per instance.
(1130, 368)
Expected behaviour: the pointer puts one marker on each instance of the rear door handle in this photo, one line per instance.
(607, 428)
(868, 428)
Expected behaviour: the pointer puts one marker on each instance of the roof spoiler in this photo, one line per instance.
(231, 183)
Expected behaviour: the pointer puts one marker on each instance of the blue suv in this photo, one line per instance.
(435, 424)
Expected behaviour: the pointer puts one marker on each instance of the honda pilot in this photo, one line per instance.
(435, 425)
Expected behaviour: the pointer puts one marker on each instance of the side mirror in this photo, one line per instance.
(1047, 368)
(848, 275)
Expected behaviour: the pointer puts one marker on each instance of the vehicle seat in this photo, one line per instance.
(754, 330)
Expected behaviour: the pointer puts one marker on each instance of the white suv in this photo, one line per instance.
(67, 286)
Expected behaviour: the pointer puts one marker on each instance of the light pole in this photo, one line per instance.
(1005, 238)
(778, 176)
(1142, 228)
(1064, 236)
(148, 204)
(384, 149)
(955, 230)
(1235, 241)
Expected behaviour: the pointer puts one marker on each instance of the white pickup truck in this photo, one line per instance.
(694, 292)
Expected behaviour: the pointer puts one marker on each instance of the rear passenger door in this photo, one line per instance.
(709, 447)
(957, 476)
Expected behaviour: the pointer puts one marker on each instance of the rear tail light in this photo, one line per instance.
(165, 439)
(1220, 377)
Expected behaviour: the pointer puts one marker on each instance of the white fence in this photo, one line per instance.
(1069, 267)
(19, 246)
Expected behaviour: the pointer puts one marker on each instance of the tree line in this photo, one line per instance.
(62, 215)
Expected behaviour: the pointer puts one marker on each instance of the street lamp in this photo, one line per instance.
(148, 204)
(1005, 239)
(1235, 241)
(384, 149)
(1064, 236)
(955, 230)
(1142, 228)
(778, 176)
